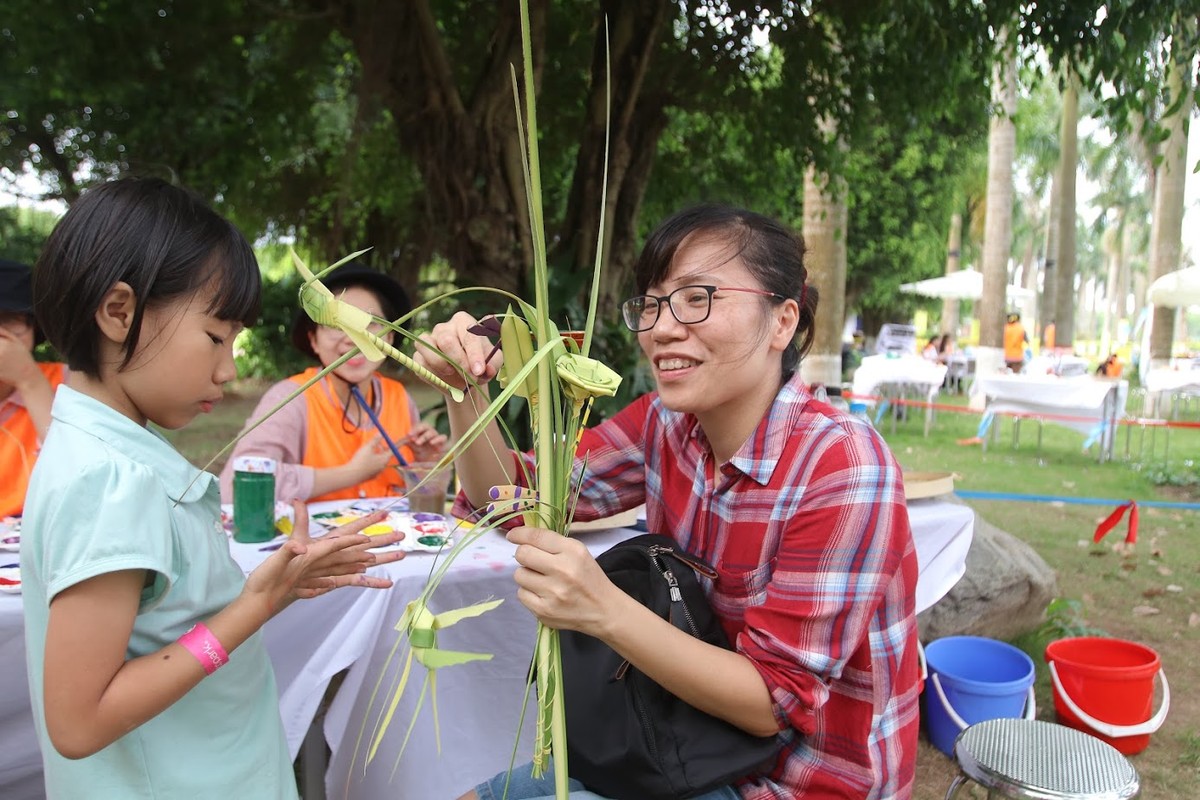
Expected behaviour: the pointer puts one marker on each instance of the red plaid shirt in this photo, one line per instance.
(807, 528)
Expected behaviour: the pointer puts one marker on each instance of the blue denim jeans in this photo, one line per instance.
(523, 787)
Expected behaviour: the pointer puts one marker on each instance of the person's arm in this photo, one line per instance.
(93, 696)
(19, 370)
(282, 438)
(488, 461)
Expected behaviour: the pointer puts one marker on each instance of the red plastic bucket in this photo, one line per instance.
(1105, 687)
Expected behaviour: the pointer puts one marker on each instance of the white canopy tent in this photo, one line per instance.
(965, 284)
(1177, 289)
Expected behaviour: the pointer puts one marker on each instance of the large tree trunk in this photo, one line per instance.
(1121, 300)
(1049, 293)
(1064, 303)
(825, 219)
(638, 118)
(997, 232)
(953, 260)
(463, 141)
(1168, 201)
(457, 126)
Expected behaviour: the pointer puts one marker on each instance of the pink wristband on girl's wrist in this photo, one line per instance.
(200, 642)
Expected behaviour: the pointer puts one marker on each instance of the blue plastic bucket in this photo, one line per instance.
(972, 679)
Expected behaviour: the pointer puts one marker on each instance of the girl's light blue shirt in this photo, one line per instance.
(108, 494)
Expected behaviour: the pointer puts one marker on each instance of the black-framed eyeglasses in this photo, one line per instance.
(688, 304)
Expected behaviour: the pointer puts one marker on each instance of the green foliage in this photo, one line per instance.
(905, 182)
(22, 232)
(298, 120)
(1064, 619)
(1171, 473)
(265, 351)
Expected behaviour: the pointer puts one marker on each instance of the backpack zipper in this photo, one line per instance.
(656, 552)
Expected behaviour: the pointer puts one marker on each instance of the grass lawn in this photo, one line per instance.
(1148, 593)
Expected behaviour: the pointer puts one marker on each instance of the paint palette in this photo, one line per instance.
(10, 534)
(10, 578)
(423, 532)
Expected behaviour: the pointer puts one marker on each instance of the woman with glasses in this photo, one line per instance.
(26, 386)
(336, 441)
(800, 508)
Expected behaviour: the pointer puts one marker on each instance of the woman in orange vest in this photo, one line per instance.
(326, 445)
(1014, 343)
(26, 387)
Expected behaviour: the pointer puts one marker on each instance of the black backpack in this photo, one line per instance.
(627, 737)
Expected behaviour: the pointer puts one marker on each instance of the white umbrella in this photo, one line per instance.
(965, 284)
(1176, 289)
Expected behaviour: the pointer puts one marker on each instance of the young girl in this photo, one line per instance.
(148, 676)
(325, 442)
(800, 508)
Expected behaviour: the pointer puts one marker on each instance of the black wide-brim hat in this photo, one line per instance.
(16, 287)
(16, 291)
(391, 296)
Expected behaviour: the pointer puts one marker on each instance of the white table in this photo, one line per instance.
(478, 704)
(1088, 404)
(1170, 385)
(1064, 365)
(898, 377)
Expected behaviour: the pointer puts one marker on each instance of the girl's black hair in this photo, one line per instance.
(772, 252)
(164, 241)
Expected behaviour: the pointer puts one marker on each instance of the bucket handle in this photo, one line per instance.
(1030, 703)
(1107, 728)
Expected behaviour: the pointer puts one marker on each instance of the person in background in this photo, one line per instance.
(945, 348)
(147, 672)
(325, 443)
(930, 353)
(1048, 338)
(26, 386)
(1015, 340)
(1111, 367)
(799, 506)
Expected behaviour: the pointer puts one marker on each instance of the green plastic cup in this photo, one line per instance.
(253, 499)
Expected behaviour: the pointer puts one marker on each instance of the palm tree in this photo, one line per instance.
(1170, 183)
(824, 229)
(953, 260)
(1038, 158)
(997, 236)
(1064, 302)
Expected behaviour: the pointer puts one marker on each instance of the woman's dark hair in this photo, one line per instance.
(772, 252)
(164, 241)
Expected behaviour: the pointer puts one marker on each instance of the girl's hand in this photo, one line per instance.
(426, 443)
(305, 567)
(460, 347)
(17, 366)
(561, 583)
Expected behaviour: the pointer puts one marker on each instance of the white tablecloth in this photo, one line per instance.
(1064, 365)
(881, 372)
(1091, 405)
(478, 704)
(1173, 380)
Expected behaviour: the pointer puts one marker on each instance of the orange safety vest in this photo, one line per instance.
(1048, 337)
(1014, 342)
(18, 449)
(330, 442)
(1113, 369)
